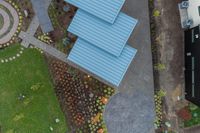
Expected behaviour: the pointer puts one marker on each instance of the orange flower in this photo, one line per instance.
(100, 130)
(104, 100)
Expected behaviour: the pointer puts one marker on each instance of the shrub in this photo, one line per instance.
(159, 67)
(185, 114)
(156, 13)
(192, 106)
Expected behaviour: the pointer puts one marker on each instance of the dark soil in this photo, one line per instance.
(61, 20)
(168, 49)
(26, 5)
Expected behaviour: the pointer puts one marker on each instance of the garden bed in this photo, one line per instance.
(83, 98)
(25, 5)
(194, 112)
(61, 39)
(167, 50)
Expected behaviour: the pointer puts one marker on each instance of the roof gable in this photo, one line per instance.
(109, 37)
(101, 63)
(104, 9)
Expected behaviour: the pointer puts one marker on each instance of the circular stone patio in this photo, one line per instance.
(8, 29)
(1, 21)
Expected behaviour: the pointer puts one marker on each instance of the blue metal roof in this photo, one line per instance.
(109, 37)
(101, 63)
(104, 9)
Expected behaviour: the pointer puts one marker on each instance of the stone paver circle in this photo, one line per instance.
(1, 21)
(7, 22)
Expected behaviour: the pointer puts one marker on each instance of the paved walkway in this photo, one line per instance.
(132, 109)
(31, 31)
(33, 26)
(45, 47)
(12, 31)
(40, 8)
(28, 38)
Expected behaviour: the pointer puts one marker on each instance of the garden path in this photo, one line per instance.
(43, 46)
(31, 31)
(28, 38)
(33, 26)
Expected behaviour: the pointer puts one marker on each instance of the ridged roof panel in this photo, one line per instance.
(104, 9)
(101, 63)
(109, 37)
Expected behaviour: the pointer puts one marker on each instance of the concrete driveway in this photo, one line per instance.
(132, 109)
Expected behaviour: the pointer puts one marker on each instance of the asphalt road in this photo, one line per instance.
(132, 109)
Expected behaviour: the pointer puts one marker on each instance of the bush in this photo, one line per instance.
(156, 13)
(192, 107)
(185, 114)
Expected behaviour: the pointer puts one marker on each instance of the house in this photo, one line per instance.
(190, 22)
(190, 13)
(192, 65)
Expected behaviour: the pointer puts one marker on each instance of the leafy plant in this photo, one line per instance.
(192, 107)
(18, 117)
(161, 93)
(36, 87)
(159, 67)
(156, 13)
(158, 104)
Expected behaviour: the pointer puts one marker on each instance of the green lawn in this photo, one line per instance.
(38, 111)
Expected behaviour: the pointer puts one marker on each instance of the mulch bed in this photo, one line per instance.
(82, 98)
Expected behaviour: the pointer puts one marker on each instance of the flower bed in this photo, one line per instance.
(62, 40)
(194, 118)
(83, 98)
(158, 106)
